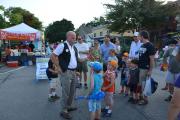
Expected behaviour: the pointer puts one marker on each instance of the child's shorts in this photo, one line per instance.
(123, 82)
(53, 83)
(94, 105)
(133, 87)
(109, 97)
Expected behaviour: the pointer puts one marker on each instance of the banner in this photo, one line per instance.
(41, 66)
(17, 36)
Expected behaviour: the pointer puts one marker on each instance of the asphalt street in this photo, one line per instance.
(23, 98)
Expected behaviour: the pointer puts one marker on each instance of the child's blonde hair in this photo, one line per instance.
(113, 63)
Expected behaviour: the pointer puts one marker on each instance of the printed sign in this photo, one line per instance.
(41, 66)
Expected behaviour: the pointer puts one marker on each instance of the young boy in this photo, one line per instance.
(109, 88)
(124, 74)
(96, 85)
(133, 82)
(52, 74)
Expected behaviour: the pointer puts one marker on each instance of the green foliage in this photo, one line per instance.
(2, 20)
(137, 14)
(97, 21)
(57, 30)
(125, 48)
(125, 43)
(17, 15)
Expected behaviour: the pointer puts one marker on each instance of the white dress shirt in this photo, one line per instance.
(73, 61)
(134, 50)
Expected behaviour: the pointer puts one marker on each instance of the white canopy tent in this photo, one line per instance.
(23, 29)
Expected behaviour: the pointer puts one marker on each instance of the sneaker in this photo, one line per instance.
(66, 115)
(134, 101)
(56, 97)
(130, 99)
(51, 99)
(143, 102)
(168, 99)
(104, 110)
(85, 86)
(71, 109)
(107, 115)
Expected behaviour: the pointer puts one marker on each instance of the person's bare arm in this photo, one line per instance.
(55, 61)
(151, 64)
(53, 71)
(84, 52)
(165, 56)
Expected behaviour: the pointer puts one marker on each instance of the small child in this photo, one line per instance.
(124, 74)
(133, 82)
(96, 85)
(52, 74)
(109, 88)
(112, 55)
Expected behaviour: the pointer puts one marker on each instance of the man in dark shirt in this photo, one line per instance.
(146, 62)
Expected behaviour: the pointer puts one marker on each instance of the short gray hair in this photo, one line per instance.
(70, 32)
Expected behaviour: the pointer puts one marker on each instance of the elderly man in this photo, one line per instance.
(83, 50)
(65, 57)
(105, 50)
(135, 46)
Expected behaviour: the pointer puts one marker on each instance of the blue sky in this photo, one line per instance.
(78, 11)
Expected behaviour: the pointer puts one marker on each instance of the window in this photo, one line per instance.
(94, 34)
(101, 33)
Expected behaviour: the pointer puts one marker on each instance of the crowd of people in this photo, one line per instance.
(13, 50)
(70, 61)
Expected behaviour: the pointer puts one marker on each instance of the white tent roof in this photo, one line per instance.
(22, 28)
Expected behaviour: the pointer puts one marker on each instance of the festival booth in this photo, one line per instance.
(23, 33)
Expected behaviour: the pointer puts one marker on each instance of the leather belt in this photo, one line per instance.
(72, 69)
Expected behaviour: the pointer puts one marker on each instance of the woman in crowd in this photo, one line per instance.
(95, 52)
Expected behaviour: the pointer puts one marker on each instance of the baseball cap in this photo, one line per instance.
(96, 66)
(113, 63)
(136, 34)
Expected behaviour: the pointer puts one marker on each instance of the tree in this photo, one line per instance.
(2, 18)
(97, 21)
(57, 30)
(17, 15)
(138, 14)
